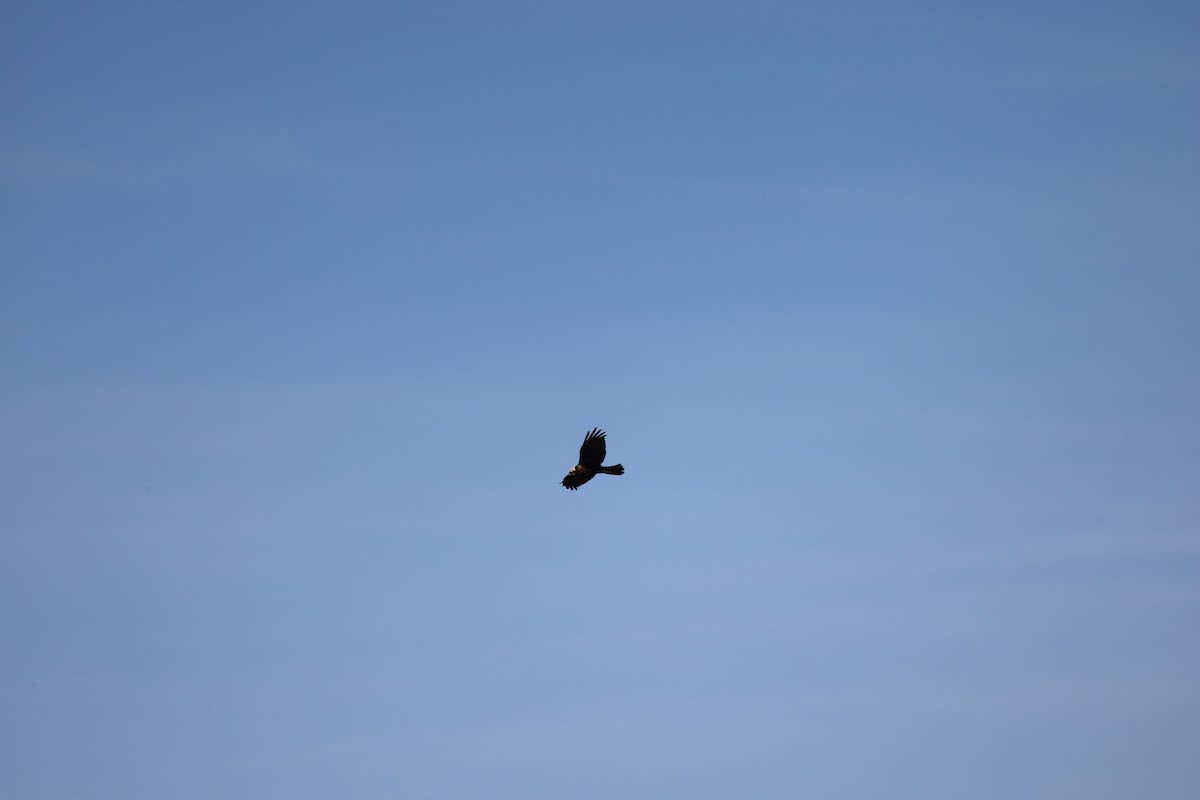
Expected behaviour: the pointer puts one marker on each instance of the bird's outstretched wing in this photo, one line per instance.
(591, 454)
(576, 479)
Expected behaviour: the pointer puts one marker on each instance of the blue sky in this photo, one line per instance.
(889, 311)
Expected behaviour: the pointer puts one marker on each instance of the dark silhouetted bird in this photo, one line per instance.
(591, 456)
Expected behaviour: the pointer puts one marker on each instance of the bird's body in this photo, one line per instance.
(591, 458)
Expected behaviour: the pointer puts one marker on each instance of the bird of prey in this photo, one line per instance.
(591, 455)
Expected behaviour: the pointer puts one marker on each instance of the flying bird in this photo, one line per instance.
(591, 455)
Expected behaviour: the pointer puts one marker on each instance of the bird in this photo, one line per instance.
(591, 455)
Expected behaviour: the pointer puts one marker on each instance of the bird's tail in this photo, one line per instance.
(615, 469)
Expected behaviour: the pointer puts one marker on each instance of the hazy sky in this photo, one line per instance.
(891, 311)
